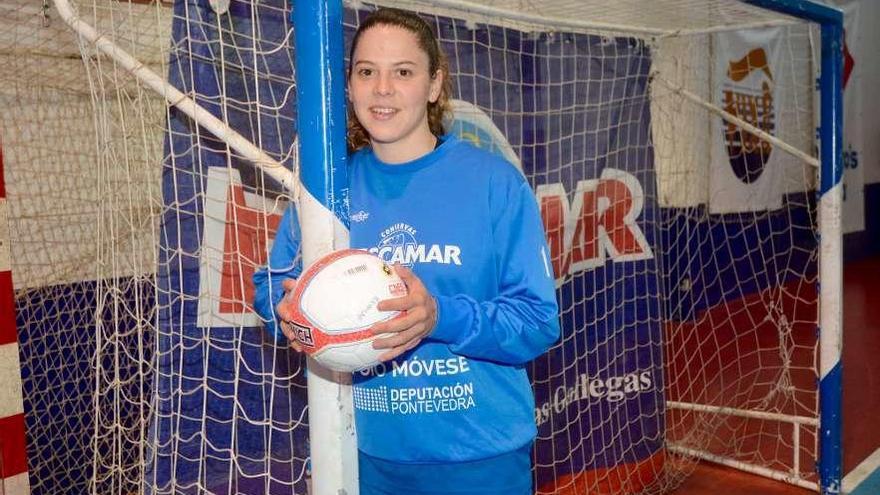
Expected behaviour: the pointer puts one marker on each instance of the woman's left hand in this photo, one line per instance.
(417, 323)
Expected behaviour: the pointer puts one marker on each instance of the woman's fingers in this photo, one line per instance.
(418, 310)
(401, 338)
(285, 313)
(400, 323)
(400, 349)
(285, 306)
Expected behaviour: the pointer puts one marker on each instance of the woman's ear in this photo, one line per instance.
(436, 86)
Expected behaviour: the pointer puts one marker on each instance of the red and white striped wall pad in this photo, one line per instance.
(13, 452)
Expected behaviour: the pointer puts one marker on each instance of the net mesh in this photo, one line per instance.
(688, 297)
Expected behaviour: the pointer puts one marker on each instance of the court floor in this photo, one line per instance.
(861, 401)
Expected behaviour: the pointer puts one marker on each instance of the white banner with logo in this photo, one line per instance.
(853, 116)
(746, 171)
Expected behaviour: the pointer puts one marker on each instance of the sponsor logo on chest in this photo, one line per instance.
(398, 244)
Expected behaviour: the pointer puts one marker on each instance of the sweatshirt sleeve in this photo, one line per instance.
(284, 262)
(522, 322)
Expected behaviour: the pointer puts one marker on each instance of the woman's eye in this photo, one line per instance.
(404, 72)
(365, 72)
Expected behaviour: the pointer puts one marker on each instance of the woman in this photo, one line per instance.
(450, 410)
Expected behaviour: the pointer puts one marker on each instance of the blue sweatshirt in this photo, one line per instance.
(467, 224)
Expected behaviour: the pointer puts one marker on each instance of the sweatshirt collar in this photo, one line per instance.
(447, 142)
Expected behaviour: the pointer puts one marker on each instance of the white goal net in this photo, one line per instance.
(671, 146)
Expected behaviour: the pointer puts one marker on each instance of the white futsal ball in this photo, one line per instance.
(335, 305)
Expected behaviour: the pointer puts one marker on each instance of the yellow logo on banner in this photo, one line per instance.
(748, 94)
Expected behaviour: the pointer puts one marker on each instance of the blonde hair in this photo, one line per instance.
(357, 135)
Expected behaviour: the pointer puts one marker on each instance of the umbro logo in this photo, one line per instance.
(359, 216)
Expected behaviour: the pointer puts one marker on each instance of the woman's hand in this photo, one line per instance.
(285, 313)
(415, 324)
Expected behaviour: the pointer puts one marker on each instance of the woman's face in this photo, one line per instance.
(390, 87)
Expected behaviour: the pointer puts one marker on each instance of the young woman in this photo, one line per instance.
(450, 411)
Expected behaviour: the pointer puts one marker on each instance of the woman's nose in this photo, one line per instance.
(384, 85)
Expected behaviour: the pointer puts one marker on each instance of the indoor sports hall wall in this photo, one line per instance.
(861, 222)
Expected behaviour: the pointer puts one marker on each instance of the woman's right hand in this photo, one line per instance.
(285, 313)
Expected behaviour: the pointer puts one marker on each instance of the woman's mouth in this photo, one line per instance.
(382, 113)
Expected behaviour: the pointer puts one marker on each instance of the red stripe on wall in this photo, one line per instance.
(2, 183)
(8, 333)
(12, 446)
(7, 300)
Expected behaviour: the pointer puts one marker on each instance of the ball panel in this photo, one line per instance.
(350, 357)
(343, 296)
